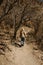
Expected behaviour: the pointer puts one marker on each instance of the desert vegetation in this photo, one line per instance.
(15, 14)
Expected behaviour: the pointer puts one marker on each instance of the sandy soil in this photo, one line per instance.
(19, 56)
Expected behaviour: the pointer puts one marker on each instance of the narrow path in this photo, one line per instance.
(19, 56)
(23, 56)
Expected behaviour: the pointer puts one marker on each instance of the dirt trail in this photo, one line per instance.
(19, 56)
(24, 56)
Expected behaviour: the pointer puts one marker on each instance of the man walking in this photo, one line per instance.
(22, 36)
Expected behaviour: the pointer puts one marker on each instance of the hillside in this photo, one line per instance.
(15, 14)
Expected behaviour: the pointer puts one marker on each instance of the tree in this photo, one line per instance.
(20, 23)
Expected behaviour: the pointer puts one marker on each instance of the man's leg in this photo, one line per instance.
(22, 43)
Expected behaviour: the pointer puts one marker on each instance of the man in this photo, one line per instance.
(22, 36)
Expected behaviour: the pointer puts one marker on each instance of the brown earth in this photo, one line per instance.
(13, 15)
(19, 56)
